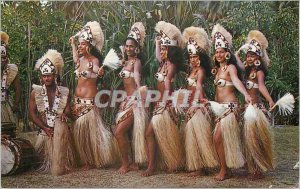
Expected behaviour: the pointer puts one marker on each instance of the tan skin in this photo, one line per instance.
(226, 94)
(199, 73)
(130, 85)
(251, 58)
(161, 55)
(86, 87)
(49, 81)
(16, 84)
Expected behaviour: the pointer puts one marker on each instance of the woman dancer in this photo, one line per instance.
(227, 136)
(199, 149)
(130, 114)
(162, 128)
(94, 142)
(257, 135)
(48, 107)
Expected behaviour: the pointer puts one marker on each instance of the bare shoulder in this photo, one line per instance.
(95, 61)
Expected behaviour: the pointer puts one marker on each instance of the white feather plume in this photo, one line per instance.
(112, 60)
(285, 104)
(250, 113)
(217, 108)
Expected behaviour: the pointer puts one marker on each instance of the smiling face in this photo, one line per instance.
(220, 55)
(251, 58)
(130, 47)
(163, 52)
(194, 60)
(82, 47)
(49, 79)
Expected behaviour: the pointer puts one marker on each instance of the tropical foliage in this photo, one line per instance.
(36, 26)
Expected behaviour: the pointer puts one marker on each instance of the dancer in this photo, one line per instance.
(48, 106)
(199, 149)
(257, 134)
(9, 76)
(227, 134)
(94, 142)
(130, 114)
(162, 128)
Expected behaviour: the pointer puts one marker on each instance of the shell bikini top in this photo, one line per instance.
(251, 84)
(126, 74)
(222, 82)
(87, 73)
(161, 77)
(192, 81)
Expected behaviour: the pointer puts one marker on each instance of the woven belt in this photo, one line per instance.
(86, 101)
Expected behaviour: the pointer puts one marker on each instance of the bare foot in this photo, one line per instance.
(255, 176)
(221, 176)
(134, 167)
(194, 173)
(148, 173)
(123, 169)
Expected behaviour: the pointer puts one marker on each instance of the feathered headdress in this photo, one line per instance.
(196, 40)
(92, 33)
(4, 37)
(138, 33)
(221, 37)
(4, 42)
(170, 34)
(258, 43)
(50, 63)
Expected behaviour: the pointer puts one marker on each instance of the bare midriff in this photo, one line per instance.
(225, 94)
(86, 88)
(129, 85)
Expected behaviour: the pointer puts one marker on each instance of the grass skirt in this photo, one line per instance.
(199, 149)
(168, 139)
(57, 153)
(94, 142)
(258, 143)
(231, 137)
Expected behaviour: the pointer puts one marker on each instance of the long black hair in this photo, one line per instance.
(140, 54)
(175, 56)
(232, 60)
(96, 53)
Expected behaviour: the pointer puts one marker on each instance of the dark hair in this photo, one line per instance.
(140, 55)
(232, 60)
(205, 62)
(175, 56)
(96, 54)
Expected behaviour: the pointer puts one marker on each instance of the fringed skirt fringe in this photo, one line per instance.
(56, 153)
(199, 149)
(258, 143)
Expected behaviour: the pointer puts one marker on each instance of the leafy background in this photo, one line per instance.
(35, 26)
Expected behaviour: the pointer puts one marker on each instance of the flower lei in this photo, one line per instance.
(3, 85)
(51, 114)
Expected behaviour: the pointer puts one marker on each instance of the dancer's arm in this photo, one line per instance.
(263, 89)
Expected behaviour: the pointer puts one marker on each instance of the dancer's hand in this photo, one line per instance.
(49, 132)
(203, 100)
(271, 104)
(101, 71)
(63, 117)
(248, 99)
(72, 40)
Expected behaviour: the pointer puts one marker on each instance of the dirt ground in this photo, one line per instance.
(284, 176)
